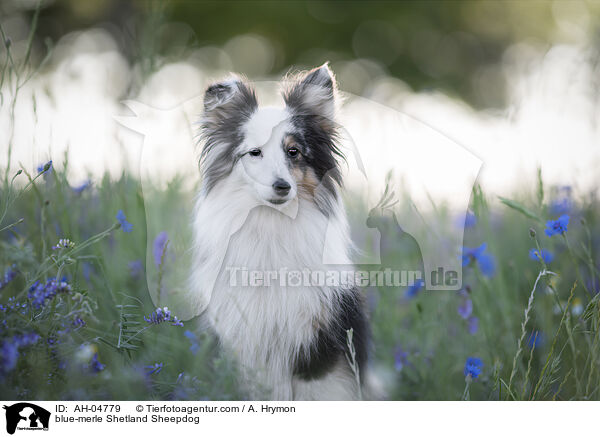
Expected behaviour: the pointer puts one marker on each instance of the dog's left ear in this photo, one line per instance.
(313, 94)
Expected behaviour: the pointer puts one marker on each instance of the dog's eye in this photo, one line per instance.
(255, 152)
(293, 152)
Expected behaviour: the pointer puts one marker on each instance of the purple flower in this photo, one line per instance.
(125, 225)
(162, 315)
(10, 349)
(195, 347)
(159, 247)
(40, 293)
(546, 255)
(414, 289)
(558, 226)
(95, 365)
(158, 316)
(63, 243)
(86, 270)
(472, 325)
(465, 308)
(13, 305)
(473, 367)
(10, 356)
(136, 268)
(78, 322)
(466, 221)
(562, 204)
(43, 168)
(26, 339)
(470, 219)
(153, 369)
(536, 339)
(80, 188)
(485, 261)
(400, 359)
(9, 275)
(176, 322)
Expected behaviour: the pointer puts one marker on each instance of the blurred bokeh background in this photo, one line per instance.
(514, 82)
(458, 47)
(463, 100)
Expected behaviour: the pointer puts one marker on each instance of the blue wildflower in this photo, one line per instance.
(13, 305)
(162, 315)
(159, 247)
(27, 339)
(136, 268)
(414, 289)
(37, 293)
(9, 275)
(485, 261)
(179, 377)
(546, 255)
(562, 203)
(560, 206)
(86, 270)
(43, 168)
(10, 349)
(558, 226)
(64, 330)
(63, 243)
(158, 316)
(95, 365)
(470, 220)
(372, 299)
(466, 221)
(472, 325)
(473, 367)
(465, 308)
(82, 187)
(78, 322)
(400, 359)
(125, 225)
(154, 369)
(536, 339)
(40, 293)
(195, 347)
(10, 356)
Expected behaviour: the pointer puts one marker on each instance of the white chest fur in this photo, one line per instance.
(264, 326)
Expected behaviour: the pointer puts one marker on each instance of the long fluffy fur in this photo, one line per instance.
(290, 342)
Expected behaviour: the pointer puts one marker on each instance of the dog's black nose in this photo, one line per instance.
(281, 187)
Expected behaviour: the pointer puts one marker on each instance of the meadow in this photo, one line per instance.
(78, 322)
(79, 262)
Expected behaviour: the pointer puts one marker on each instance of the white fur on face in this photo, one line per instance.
(265, 131)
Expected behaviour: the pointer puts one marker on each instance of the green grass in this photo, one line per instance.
(563, 308)
(420, 345)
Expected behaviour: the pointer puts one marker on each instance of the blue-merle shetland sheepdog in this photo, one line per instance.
(270, 202)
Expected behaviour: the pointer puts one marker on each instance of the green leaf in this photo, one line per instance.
(520, 208)
(540, 188)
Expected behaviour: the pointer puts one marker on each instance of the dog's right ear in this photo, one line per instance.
(233, 91)
(228, 105)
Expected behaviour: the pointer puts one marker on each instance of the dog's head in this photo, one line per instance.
(279, 153)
